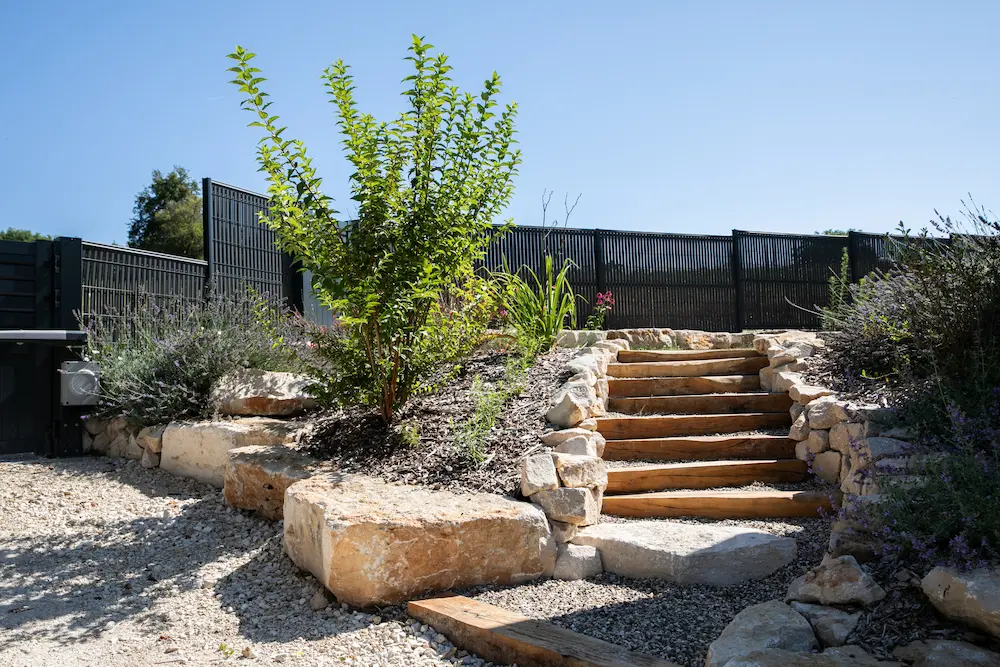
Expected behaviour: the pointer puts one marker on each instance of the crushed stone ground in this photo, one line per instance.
(104, 563)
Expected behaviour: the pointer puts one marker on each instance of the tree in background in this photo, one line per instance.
(167, 216)
(13, 234)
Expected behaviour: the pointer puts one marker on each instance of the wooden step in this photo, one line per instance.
(629, 356)
(704, 404)
(506, 638)
(629, 428)
(687, 368)
(701, 448)
(717, 384)
(719, 505)
(704, 475)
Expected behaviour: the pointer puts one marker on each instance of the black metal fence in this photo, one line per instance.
(748, 280)
(121, 282)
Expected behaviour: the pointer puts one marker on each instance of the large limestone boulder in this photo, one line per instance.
(832, 625)
(944, 653)
(847, 656)
(688, 553)
(969, 597)
(374, 543)
(256, 477)
(836, 581)
(200, 450)
(262, 393)
(763, 626)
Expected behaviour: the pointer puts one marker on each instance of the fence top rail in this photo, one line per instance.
(144, 253)
(591, 230)
(239, 189)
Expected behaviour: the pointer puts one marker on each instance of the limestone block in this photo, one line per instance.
(252, 392)
(373, 543)
(256, 477)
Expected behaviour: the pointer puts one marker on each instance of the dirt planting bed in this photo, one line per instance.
(423, 448)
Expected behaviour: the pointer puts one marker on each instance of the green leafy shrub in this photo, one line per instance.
(427, 187)
(538, 309)
(159, 364)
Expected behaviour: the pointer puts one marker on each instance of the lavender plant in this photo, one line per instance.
(158, 363)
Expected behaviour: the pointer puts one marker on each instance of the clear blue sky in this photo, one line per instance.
(693, 116)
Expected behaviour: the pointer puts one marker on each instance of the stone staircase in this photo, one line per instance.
(703, 414)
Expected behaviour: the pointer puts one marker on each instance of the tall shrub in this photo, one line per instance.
(427, 187)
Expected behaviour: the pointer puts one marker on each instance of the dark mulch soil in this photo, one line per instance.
(356, 440)
(905, 615)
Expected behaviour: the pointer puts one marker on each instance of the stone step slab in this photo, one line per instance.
(688, 553)
(372, 543)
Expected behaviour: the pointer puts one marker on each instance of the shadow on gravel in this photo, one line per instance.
(67, 586)
(81, 584)
(281, 611)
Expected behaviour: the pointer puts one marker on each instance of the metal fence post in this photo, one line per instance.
(208, 234)
(68, 282)
(738, 306)
(599, 279)
(852, 255)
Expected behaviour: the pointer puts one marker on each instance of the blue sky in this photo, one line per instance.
(692, 117)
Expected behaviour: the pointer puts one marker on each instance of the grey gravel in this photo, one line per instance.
(659, 618)
(103, 562)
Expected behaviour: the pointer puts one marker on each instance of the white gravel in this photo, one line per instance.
(671, 621)
(105, 563)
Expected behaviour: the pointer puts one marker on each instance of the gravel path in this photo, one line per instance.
(105, 563)
(656, 617)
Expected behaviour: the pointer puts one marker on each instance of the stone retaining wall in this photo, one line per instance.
(845, 443)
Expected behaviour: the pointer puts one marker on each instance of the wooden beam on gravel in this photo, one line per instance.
(507, 638)
(701, 448)
(628, 428)
(688, 368)
(719, 504)
(703, 404)
(718, 384)
(629, 356)
(704, 475)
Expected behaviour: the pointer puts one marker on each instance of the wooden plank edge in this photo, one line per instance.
(504, 637)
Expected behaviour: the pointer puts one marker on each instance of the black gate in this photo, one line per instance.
(34, 295)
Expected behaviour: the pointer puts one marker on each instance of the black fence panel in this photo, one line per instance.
(241, 250)
(783, 278)
(668, 280)
(122, 283)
